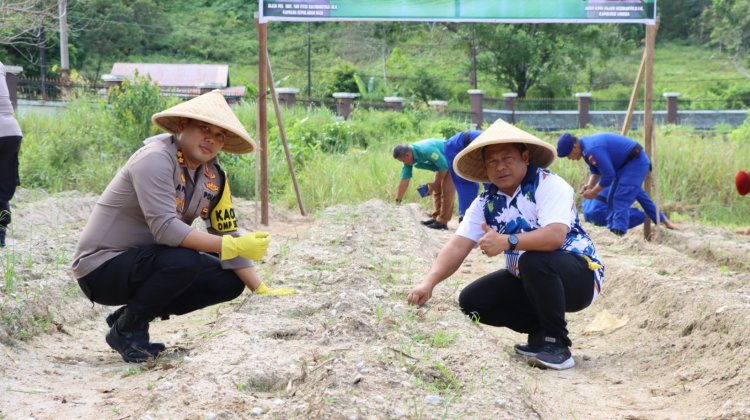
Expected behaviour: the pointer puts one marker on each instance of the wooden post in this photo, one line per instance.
(637, 84)
(282, 131)
(633, 97)
(263, 119)
(648, 127)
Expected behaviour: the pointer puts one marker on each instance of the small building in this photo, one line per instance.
(183, 80)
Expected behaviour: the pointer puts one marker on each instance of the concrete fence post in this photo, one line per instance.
(477, 107)
(671, 107)
(111, 80)
(584, 105)
(510, 105)
(395, 103)
(11, 79)
(287, 96)
(344, 102)
(438, 106)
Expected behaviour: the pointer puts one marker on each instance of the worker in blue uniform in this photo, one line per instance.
(595, 211)
(614, 161)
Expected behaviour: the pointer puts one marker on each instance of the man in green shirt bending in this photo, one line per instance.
(428, 154)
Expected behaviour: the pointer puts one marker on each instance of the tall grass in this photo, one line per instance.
(347, 162)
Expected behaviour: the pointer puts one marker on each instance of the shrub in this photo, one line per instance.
(132, 105)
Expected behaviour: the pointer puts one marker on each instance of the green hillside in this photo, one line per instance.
(701, 51)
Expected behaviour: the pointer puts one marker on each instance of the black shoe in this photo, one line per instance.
(460, 219)
(116, 339)
(533, 346)
(132, 345)
(427, 222)
(553, 355)
(437, 225)
(617, 232)
(114, 316)
(2, 237)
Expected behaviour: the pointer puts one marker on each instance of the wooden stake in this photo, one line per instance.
(263, 119)
(633, 97)
(648, 123)
(282, 131)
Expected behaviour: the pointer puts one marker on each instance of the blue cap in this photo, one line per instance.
(565, 144)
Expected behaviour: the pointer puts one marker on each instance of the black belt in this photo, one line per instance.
(467, 139)
(601, 198)
(634, 152)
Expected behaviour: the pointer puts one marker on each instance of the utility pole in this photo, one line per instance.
(42, 44)
(64, 61)
(309, 75)
(473, 53)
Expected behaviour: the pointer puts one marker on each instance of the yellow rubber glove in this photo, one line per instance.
(265, 290)
(592, 265)
(252, 246)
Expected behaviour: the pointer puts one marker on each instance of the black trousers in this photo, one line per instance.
(551, 284)
(9, 180)
(160, 281)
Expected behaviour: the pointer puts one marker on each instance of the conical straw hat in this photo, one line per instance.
(469, 163)
(213, 109)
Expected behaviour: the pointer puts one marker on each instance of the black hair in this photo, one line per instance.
(520, 146)
(400, 151)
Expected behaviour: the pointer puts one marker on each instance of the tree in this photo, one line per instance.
(522, 56)
(680, 19)
(22, 20)
(23, 27)
(728, 23)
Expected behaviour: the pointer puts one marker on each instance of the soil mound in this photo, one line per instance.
(666, 339)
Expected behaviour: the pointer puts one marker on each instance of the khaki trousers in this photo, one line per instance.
(444, 195)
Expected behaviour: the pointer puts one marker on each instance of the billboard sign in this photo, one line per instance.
(507, 11)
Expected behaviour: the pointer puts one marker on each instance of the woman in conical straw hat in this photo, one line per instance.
(138, 249)
(529, 215)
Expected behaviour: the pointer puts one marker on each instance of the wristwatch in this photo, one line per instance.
(513, 241)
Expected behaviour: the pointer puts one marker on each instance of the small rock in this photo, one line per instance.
(398, 413)
(342, 296)
(256, 411)
(360, 365)
(166, 386)
(210, 416)
(378, 293)
(278, 401)
(333, 312)
(433, 399)
(501, 402)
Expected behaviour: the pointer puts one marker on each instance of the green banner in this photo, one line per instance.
(510, 11)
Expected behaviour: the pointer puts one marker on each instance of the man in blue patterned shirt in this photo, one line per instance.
(529, 215)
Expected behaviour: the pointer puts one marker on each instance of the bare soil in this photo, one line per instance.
(668, 338)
